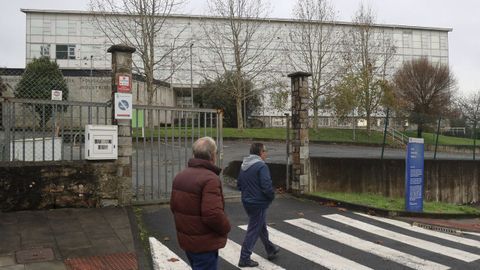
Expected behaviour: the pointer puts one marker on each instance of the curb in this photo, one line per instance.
(143, 260)
(384, 212)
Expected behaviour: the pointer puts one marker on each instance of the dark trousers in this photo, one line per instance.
(204, 260)
(257, 227)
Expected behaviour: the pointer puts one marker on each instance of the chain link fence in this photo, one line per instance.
(38, 123)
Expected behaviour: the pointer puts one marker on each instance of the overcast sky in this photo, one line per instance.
(461, 15)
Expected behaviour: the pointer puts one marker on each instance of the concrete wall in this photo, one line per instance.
(58, 184)
(277, 172)
(453, 181)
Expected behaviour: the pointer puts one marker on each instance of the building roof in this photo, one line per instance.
(185, 16)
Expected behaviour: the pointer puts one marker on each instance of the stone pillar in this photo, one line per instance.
(122, 65)
(300, 153)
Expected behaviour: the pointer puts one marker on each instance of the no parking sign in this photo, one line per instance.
(123, 106)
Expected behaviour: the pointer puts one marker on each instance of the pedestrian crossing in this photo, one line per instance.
(305, 239)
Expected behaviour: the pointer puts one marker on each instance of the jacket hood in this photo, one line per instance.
(249, 161)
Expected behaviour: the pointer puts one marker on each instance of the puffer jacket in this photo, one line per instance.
(255, 183)
(197, 205)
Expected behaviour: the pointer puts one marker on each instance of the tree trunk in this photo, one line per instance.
(315, 114)
(419, 130)
(238, 101)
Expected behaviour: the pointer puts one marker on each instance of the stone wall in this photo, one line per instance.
(58, 184)
(452, 181)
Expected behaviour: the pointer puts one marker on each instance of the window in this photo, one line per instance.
(45, 50)
(65, 51)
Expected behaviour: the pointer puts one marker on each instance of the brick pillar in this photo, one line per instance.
(122, 65)
(300, 153)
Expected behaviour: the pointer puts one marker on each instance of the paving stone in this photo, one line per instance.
(125, 235)
(13, 267)
(8, 219)
(73, 240)
(66, 227)
(53, 265)
(99, 232)
(9, 244)
(108, 246)
(36, 237)
(7, 260)
(78, 252)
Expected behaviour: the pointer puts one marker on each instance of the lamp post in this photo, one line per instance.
(91, 78)
(191, 74)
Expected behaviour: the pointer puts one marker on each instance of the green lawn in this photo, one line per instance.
(442, 140)
(396, 204)
(320, 135)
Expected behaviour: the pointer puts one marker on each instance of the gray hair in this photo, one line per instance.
(204, 148)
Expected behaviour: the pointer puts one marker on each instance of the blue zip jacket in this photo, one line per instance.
(255, 183)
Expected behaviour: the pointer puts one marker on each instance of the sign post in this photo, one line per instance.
(414, 175)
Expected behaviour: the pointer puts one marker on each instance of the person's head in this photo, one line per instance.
(259, 149)
(205, 148)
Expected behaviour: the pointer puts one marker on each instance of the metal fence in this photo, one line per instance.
(41, 130)
(162, 143)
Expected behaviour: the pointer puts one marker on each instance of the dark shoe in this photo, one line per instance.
(247, 263)
(272, 255)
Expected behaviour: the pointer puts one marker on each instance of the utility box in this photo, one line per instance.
(101, 142)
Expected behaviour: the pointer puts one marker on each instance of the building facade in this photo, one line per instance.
(75, 42)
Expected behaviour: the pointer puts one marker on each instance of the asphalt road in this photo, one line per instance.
(236, 150)
(332, 239)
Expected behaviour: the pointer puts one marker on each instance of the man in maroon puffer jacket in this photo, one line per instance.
(198, 205)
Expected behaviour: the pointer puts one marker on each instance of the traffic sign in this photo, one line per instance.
(123, 106)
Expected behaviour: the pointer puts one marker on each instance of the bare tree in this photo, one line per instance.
(470, 108)
(239, 41)
(368, 53)
(312, 47)
(424, 90)
(142, 24)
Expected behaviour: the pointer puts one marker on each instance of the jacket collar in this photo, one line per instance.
(202, 163)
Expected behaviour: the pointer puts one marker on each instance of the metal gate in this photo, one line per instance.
(162, 140)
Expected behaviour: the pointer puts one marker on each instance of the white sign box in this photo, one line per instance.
(57, 95)
(101, 142)
(123, 106)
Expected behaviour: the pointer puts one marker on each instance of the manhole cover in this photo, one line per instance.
(34, 255)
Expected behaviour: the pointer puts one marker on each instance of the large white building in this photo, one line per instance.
(74, 41)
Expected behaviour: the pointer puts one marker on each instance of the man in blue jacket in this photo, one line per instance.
(255, 183)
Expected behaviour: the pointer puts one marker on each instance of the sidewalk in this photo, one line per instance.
(452, 223)
(63, 239)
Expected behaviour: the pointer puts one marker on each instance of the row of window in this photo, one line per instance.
(62, 51)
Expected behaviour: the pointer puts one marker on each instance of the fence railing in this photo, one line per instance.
(162, 144)
(43, 130)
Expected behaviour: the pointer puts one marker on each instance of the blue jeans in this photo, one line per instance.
(257, 227)
(204, 260)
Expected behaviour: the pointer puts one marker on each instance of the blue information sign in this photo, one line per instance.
(414, 175)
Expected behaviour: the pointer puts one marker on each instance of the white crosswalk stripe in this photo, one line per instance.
(419, 243)
(366, 246)
(404, 225)
(163, 258)
(231, 254)
(472, 233)
(311, 252)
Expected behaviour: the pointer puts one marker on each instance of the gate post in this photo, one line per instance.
(301, 180)
(122, 65)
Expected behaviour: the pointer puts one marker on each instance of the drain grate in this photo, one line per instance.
(438, 228)
(34, 255)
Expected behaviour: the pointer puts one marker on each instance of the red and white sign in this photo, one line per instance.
(57, 95)
(124, 83)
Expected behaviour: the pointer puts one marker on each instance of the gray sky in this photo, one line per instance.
(461, 15)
